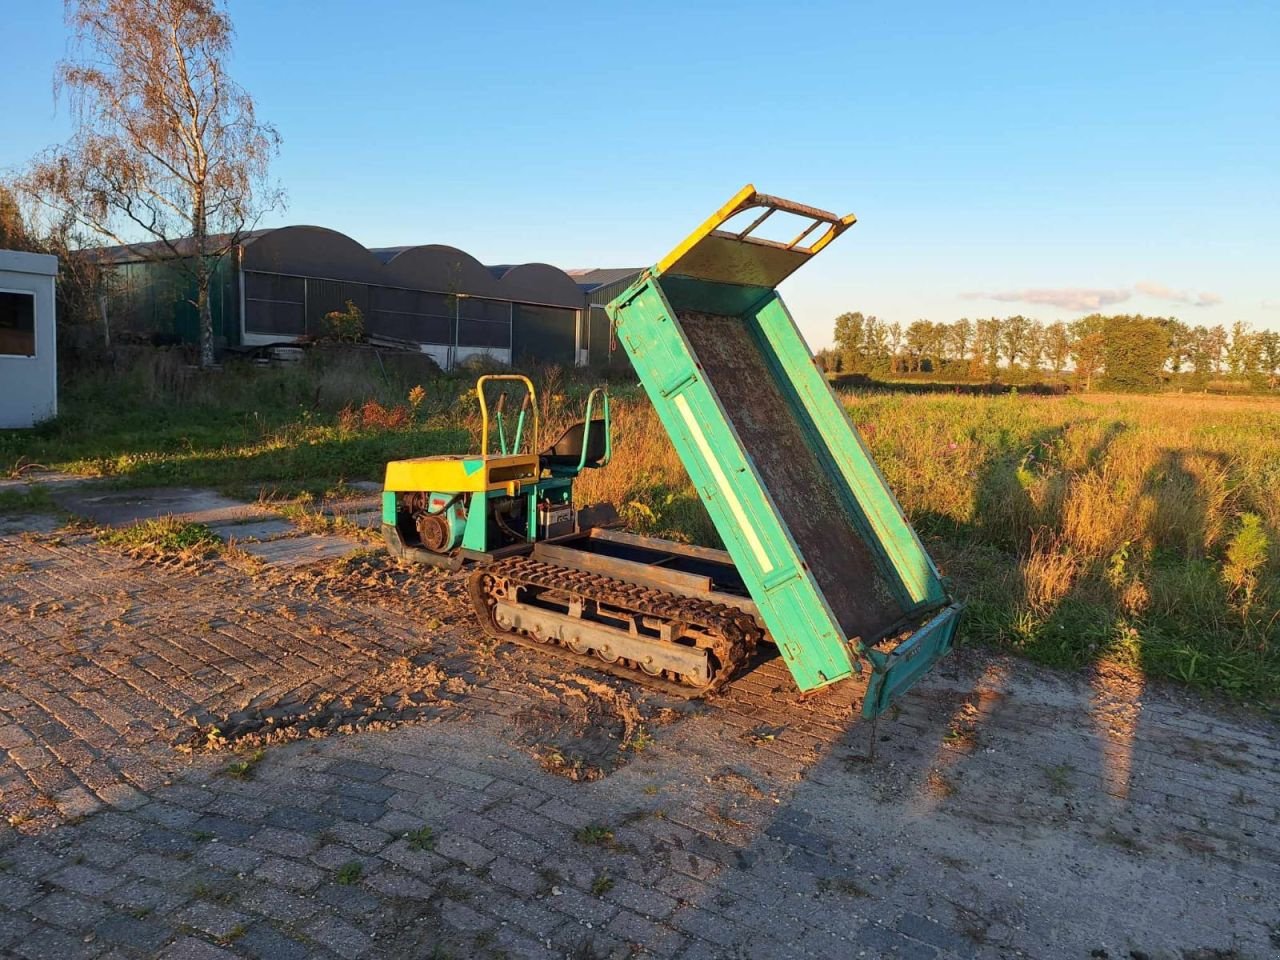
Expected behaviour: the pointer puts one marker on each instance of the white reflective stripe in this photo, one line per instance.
(735, 505)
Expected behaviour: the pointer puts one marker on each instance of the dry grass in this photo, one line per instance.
(1076, 528)
(1140, 528)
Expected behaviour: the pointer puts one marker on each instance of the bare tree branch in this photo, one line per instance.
(167, 146)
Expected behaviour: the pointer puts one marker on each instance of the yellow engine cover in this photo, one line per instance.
(462, 474)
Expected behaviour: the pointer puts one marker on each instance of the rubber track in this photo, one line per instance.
(737, 632)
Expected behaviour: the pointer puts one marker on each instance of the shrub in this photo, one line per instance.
(1246, 556)
(345, 326)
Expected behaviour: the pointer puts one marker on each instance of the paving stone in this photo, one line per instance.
(532, 916)
(462, 918)
(103, 854)
(703, 924)
(286, 843)
(223, 828)
(333, 855)
(240, 808)
(121, 796)
(66, 910)
(647, 902)
(26, 860)
(229, 856)
(189, 948)
(88, 881)
(137, 895)
(358, 770)
(13, 926)
(167, 815)
(159, 869)
(116, 826)
(358, 835)
(461, 848)
(300, 551)
(519, 947)
(522, 880)
(890, 943)
(48, 943)
(295, 818)
(371, 792)
(932, 932)
(339, 936)
(17, 891)
(124, 507)
(397, 884)
(654, 939)
(164, 840)
(350, 901)
(214, 920)
(91, 709)
(276, 903)
(264, 942)
(580, 941)
(464, 777)
(569, 815)
(253, 530)
(580, 907)
(361, 811)
(137, 933)
(398, 823)
(287, 873)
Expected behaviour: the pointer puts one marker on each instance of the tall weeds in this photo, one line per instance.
(1075, 527)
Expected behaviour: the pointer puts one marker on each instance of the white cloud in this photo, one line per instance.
(1271, 304)
(1068, 298)
(1161, 292)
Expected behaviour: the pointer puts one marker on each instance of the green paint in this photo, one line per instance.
(476, 536)
(753, 528)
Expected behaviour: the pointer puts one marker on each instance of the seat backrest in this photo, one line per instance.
(567, 450)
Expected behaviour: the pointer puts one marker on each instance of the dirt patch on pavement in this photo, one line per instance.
(409, 690)
(583, 729)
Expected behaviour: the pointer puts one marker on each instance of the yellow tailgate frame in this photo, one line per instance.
(726, 256)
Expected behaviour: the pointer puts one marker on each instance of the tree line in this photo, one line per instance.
(1129, 352)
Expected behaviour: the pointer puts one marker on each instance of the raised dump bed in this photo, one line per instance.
(817, 539)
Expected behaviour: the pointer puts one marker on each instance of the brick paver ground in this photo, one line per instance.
(1005, 812)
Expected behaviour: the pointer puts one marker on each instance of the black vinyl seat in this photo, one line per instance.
(566, 452)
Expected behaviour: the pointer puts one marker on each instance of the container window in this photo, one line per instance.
(17, 324)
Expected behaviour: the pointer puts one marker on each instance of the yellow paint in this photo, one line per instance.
(723, 256)
(711, 223)
(730, 497)
(449, 474)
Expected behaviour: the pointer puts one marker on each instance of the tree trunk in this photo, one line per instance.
(203, 271)
(206, 314)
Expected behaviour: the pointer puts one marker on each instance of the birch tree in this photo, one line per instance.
(166, 146)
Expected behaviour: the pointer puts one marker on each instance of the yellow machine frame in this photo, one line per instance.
(474, 473)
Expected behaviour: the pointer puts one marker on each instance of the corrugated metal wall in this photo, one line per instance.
(153, 297)
(602, 349)
(544, 334)
(158, 298)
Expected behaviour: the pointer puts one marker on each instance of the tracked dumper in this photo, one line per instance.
(819, 558)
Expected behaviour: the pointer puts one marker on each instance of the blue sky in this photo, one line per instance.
(1001, 158)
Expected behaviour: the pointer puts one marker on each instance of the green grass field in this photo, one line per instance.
(1144, 529)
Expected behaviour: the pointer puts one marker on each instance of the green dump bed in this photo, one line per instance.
(833, 566)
